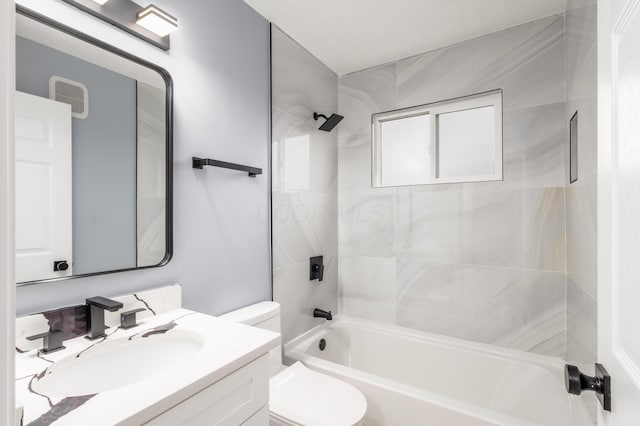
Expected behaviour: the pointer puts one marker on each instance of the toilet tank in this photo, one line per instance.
(265, 315)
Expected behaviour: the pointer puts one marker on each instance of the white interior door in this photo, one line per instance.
(43, 187)
(619, 206)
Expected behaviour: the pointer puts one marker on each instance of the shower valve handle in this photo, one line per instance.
(319, 270)
(316, 268)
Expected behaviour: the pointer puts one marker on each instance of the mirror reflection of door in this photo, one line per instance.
(43, 187)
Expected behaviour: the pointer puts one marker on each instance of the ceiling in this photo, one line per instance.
(351, 35)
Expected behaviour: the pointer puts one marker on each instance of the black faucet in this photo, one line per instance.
(51, 340)
(319, 313)
(97, 306)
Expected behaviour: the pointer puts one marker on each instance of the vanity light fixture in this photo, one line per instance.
(157, 20)
(149, 23)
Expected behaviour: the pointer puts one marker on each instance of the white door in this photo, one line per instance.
(619, 206)
(43, 187)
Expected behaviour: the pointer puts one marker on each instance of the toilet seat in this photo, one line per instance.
(301, 396)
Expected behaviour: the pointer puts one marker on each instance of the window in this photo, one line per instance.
(459, 140)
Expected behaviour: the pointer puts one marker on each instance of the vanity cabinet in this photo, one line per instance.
(241, 398)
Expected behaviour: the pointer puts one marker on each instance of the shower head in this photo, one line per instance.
(330, 122)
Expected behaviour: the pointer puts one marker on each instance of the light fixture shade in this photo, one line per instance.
(157, 20)
(101, 2)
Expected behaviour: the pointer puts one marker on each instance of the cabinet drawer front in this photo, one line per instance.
(228, 402)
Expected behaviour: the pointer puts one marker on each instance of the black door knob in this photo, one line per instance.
(60, 265)
(575, 382)
(572, 379)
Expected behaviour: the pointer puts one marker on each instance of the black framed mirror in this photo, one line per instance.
(94, 143)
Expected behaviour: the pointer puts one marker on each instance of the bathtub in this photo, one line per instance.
(408, 375)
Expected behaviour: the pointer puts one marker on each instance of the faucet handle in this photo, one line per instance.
(104, 303)
(128, 319)
(51, 341)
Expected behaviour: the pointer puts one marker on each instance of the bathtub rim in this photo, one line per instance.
(293, 351)
(548, 362)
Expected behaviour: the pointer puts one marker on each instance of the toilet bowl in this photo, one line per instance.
(298, 395)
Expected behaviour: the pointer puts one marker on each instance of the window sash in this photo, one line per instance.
(488, 99)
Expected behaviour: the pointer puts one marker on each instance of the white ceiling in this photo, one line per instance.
(350, 35)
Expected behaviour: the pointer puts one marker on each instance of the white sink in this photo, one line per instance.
(118, 363)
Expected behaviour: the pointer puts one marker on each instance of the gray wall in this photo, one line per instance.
(581, 91)
(104, 155)
(480, 261)
(219, 61)
(305, 185)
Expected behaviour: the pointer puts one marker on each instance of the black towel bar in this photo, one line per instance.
(198, 163)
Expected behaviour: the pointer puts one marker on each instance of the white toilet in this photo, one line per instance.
(298, 395)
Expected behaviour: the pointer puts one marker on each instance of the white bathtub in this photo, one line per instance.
(408, 375)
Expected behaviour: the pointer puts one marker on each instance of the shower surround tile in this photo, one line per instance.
(367, 225)
(304, 222)
(368, 288)
(525, 61)
(508, 228)
(581, 97)
(581, 232)
(430, 226)
(304, 159)
(301, 84)
(522, 309)
(580, 34)
(304, 185)
(582, 323)
(581, 196)
(298, 296)
(534, 150)
(533, 153)
(354, 171)
(362, 94)
(484, 261)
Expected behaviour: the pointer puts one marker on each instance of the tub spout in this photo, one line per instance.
(319, 313)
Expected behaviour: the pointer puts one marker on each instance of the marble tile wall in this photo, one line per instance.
(481, 261)
(581, 196)
(304, 184)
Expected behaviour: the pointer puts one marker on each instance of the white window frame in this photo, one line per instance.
(480, 100)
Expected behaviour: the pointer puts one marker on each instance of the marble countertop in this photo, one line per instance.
(227, 347)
